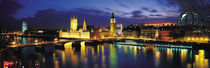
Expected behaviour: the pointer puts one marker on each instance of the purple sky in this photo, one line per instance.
(55, 14)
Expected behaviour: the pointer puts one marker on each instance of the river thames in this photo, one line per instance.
(106, 55)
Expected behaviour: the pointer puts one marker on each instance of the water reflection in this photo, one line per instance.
(113, 56)
(26, 40)
(200, 60)
(107, 56)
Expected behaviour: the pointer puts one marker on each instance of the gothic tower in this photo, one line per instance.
(73, 24)
(84, 26)
(112, 25)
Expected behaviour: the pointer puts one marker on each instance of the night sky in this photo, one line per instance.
(55, 14)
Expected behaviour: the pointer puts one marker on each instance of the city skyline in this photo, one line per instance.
(40, 14)
(104, 33)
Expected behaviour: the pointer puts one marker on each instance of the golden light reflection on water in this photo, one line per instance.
(103, 57)
(157, 57)
(113, 56)
(168, 53)
(68, 45)
(129, 50)
(43, 59)
(63, 57)
(125, 49)
(73, 56)
(92, 51)
(98, 49)
(183, 55)
(135, 52)
(200, 61)
(83, 53)
(144, 50)
(56, 64)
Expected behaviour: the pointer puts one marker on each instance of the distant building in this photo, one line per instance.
(24, 27)
(160, 31)
(119, 29)
(73, 32)
(129, 34)
(199, 36)
(161, 24)
(130, 31)
(194, 28)
(106, 33)
(41, 33)
(148, 32)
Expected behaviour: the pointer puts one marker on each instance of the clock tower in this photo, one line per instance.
(112, 25)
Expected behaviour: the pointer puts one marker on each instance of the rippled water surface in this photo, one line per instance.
(104, 56)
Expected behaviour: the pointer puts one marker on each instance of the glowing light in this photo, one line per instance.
(24, 27)
(206, 39)
(200, 61)
(82, 43)
(192, 38)
(56, 64)
(68, 45)
(75, 34)
(55, 39)
(83, 54)
(84, 26)
(40, 31)
(92, 49)
(74, 23)
(157, 58)
(188, 38)
(157, 54)
(98, 49)
(13, 42)
(36, 41)
(161, 24)
(183, 55)
(113, 57)
(135, 51)
(63, 57)
(112, 26)
(69, 50)
(196, 39)
(169, 54)
(7, 64)
(125, 49)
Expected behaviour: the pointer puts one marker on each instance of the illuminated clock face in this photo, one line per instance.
(113, 21)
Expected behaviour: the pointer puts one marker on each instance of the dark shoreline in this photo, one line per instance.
(193, 44)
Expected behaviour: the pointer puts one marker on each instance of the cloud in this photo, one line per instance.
(138, 14)
(123, 5)
(108, 9)
(92, 11)
(52, 19)
(153, 11)
(156, 15)
(200, 6)
(149, 10)
(8, 8)
(146, 9)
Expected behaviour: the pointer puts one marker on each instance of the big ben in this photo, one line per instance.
(112, 25)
